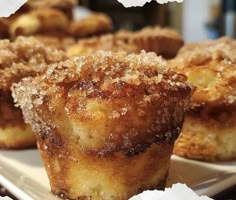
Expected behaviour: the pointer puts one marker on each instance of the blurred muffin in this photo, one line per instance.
(94, 24)
(46, 21)
(162, 41)
(106, 42)
(66, 6)
(19, 59)
(106, 121)
(209, 130)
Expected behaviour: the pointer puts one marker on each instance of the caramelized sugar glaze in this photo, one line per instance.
(106, 121)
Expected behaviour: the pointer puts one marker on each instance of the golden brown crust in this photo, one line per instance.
(113, 176)
(208, 138)
(94, 24)
(107, 118)
(211, 67)
(24, 57)
(209, 129)
(162, 41)
(47, 21)
(111, 80)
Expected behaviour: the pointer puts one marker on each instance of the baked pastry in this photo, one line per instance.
(106, 122)
(66, 6)
(107, 42)
(21, 58)
(209, 130)
(162, 41)
(46, 21)
(94, 24)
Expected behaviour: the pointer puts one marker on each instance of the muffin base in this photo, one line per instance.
(75, 174)
(13, 137)
(207, 139)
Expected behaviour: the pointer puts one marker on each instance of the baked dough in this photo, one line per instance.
(105, 122)
(209, 130)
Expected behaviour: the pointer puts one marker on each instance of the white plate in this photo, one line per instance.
(22, 173)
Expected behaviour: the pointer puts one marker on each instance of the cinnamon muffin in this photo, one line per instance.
(40, 21)
(94, 24)
(105, 123)
(162, 41)
(66, 6)
(19, 59)
(209, 130)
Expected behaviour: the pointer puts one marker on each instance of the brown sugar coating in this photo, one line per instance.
(21, 58)
(94, 24)
(211, 67)
(113, 86)
(106, 121)
(24, 57)
(209, 128)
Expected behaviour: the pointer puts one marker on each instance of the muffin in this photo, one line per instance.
(106, 42)
(162, 41)
(94, 24)
(19, 59)
(66, 6)
(209, 130)
(40, 21)
(105, 123)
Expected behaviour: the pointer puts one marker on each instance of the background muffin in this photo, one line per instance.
(22, 58)
(209, 130)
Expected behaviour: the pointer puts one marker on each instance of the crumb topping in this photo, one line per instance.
(111, 86)
(24, 57)
(211, 67)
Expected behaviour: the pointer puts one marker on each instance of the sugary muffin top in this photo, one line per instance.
(24, 57)
(211, 67)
